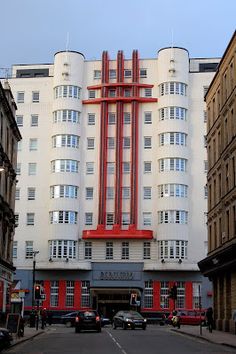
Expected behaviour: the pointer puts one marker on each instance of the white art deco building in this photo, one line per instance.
(112, 180)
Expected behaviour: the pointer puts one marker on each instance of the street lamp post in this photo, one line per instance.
(33, 282)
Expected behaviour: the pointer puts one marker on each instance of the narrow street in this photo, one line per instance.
(161, 340)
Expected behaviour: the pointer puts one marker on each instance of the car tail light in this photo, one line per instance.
(97, 318)
(76, 319)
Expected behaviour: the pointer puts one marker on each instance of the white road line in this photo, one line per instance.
(117, 343)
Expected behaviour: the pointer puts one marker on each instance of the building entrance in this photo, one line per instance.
(110, 301)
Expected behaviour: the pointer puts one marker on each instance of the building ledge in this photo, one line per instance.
(117, 233)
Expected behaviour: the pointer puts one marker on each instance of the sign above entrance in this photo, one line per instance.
(116, 275)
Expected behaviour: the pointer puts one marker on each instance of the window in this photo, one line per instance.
(205, 116)
(172, 217)
(35, 96)
(126, 192)
(89, 193)
(128, 73)
(164, 294)
(110, 168)
(33, 144)
(143, 73)
(65, 140)
(31, 193)
(112, 74)
(28, 249)
(18, 168)
(91, 118)
(97, 74)
(147, 117)
(70, 287)
(172, 164)
(126, 167)
(66, 115)
(147, 142)
(196, 295)
(32, 168)
(19, 121)
(64, 166)
(205, 192)
(172, 249)
(126, 142)
(109, 219)
(205, 166)
(63, 217)
(17, 194)
(173, 112)
(85, 293)
(111, 118)
(147, 192)
(34, 120)
(172, 190)
(88, 250)
(20, 97)
(173, 88)
(62, 249)
(148, 294)
(147, 250)
(112, 93)
(110, 192)
(89, 168)
(172, 139)
(14, 249)
(30, 219)
(147, 167)
(180, 302)
(63, 191)
(109, 250)
(19, 145)
(125, 219)
(147, 219)
(127, 92)
(125, 250)
(90, 143)
(16, 219)
(147, 92)
(54, 293)
(88, 218)
(67, 91)
(111, 143)
(205, 89)
(127, 118)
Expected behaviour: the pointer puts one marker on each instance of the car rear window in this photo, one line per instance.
(88, 314)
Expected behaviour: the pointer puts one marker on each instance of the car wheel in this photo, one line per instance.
(113, 325)
(68, 324)
(77, 330)
(99, 330)
(144, 327)
(124, 326)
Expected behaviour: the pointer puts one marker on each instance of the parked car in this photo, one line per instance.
(129, 319)
(87, 320)
(69, 319)
(105, 321)
(189, 317)
(5, 338)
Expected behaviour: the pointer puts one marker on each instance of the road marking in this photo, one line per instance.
(117, 343)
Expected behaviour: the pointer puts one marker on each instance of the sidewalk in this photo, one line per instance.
(217, 337)
(28, 334)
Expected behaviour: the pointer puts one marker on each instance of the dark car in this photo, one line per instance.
(5, 338)
(105, 321)
(87, 320)
(69, 319)
(129, 319)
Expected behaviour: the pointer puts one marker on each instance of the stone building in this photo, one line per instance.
(220, 264)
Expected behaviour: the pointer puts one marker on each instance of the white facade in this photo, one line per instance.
(171, 170)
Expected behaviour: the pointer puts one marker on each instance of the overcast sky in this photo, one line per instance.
(32, 31)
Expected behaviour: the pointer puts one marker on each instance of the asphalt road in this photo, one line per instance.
(155, 340)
